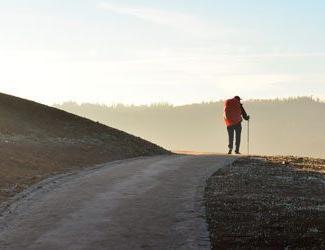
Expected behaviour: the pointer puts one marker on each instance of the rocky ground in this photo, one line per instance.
(268, 202)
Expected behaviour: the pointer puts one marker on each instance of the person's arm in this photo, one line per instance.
(244, 114)
(226, 111)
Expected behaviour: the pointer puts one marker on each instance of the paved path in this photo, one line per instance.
(143, 203)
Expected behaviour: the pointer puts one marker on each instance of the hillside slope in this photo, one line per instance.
(37, 141)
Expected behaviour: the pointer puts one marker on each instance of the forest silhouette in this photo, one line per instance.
(293, 126)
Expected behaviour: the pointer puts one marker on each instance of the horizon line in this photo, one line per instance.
(312, 97)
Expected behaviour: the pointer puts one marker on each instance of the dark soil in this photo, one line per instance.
(37, 141)
(268, 203)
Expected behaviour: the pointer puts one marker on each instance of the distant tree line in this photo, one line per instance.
(292, 126)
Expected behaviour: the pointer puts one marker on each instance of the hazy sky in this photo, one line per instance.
(177, 51)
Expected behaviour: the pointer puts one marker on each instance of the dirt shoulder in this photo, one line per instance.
(267, 202)
(25, 163)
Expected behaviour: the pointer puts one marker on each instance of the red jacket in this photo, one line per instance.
(232, 112)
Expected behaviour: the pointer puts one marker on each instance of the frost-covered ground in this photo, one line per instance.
(260, 202)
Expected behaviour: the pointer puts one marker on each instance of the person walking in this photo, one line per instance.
(233, 114)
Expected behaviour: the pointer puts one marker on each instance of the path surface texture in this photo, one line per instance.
(143, 203)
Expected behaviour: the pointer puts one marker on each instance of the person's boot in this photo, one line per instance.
(230, 151)
(237, 152)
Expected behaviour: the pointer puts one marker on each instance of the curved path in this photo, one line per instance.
(143, 203)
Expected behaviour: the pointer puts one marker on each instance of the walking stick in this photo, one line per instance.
(248, 137)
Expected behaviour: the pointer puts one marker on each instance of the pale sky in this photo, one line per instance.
(176, 51)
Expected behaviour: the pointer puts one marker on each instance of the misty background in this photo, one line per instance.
(293, 126)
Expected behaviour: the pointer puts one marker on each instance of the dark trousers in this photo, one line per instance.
(231, 131)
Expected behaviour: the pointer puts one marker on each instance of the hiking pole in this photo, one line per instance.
(248, 137)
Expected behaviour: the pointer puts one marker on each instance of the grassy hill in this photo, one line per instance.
(37, 141)
(278, 127)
